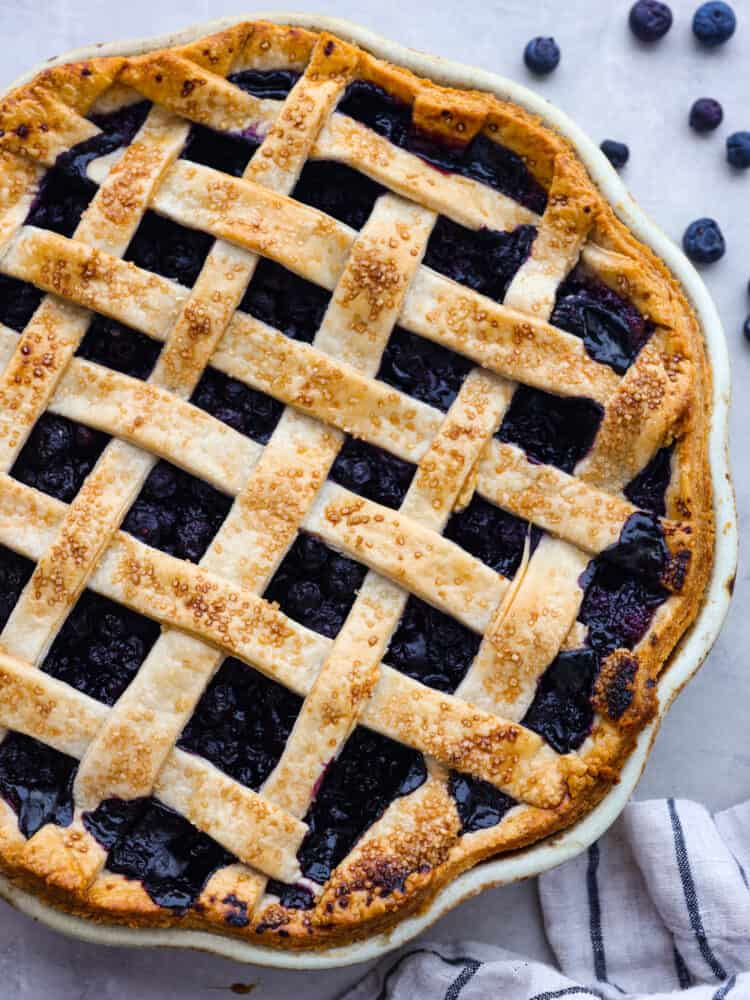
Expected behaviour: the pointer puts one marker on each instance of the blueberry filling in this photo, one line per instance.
(116, 346)
(60, 202)
(648, 489)
(242, 723)
(315, 585)
(485, 260)
(556, 430)
(373, 473)
(338, 190)
(612, 329)
(285, 301)
(100, 647)
(481, 159)
(246, 410)
(169, 249)
(58, 456)
(162, 850)
(641, 548)
(562, 712)
(37, 782)
(18, 302)
(118, 128)
(427, 371)
(492, 535)
(294, 897)
(479, 804)
(223, 151)
(617, 607)
(177, 513)
(431, 647)
(358, 785)
(271, 84)
(15, 573)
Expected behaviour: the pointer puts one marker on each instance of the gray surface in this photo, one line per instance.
(614, 88)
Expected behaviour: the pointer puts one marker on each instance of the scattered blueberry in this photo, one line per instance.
(650, 20)
(746, 328)
(738, 149)
(541, 55)
(616, 152)
(703, 241)
(706, 115)
(714, 23)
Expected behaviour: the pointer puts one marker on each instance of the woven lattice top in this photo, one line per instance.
(441, 422)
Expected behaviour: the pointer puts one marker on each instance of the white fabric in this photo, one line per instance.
(660, 907)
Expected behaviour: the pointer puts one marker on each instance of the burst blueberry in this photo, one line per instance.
(738, 150)
(650, 20)
(706, 114)
(703, 241)
(714, 24)
(616, 152)
(541, 55)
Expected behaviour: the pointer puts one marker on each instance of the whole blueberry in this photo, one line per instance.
(705, 115)
(738, 149)
(541, 55)
(650, 20)
(703, 241)
(714, 23)
(746, 328)
(616, 152)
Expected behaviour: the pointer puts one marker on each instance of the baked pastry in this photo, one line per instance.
(354, 485)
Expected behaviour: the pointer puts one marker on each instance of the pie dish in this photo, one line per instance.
(355, 486)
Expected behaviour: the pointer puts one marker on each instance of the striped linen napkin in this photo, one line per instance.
(660, 907)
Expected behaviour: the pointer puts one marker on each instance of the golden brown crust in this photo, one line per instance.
(663, 399)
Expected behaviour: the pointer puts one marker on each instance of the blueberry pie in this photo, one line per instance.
(354, 487)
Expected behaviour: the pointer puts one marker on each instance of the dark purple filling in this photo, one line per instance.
(612, 329)
(479, 803)
(373, 473)
(617, 607)
(562, 712)
(58, 456)
(556, 430)
(169, 249)
(271, 84)
(427, 371)
(116, 346)
(358, 785)
(18, 302)
(315, 585)
(242, 723)
(162, 850)
(640, 549)
(285, 301)
(294, 897)
(648, 489)
(481, 159)
(485, 260)
(431, 647)
(338, 190)
(225, 151)
(492, 535)
(100, 647)
(37, 782)
(246, 410)
(60, 202)
(177, 513)
(15, 572)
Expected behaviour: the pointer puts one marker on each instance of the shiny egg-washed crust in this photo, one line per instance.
(416, 847)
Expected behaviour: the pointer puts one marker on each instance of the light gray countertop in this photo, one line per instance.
(614, 88)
